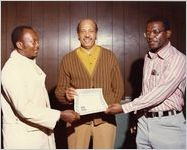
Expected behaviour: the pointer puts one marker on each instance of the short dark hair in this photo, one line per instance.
(17, 34)
(78, 26)
(164, 20)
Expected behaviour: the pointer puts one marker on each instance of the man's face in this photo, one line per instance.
(87, 34)
(156, 36)
(29, 45)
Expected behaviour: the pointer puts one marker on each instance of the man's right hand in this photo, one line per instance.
(69, 116)
(114, 109)
(70, 93)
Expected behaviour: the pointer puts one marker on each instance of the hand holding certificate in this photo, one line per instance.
(89, 101)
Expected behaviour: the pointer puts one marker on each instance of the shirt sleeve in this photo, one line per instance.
(176, 74)
(16, 89)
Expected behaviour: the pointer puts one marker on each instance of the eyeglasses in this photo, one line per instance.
(154, 32)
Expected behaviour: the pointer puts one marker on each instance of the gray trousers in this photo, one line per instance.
(168, 132)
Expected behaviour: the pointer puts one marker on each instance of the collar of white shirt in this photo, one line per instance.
(163, 53)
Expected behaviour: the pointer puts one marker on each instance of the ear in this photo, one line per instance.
(19, 45)
(168, 34)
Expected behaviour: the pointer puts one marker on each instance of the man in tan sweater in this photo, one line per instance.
(90, 66)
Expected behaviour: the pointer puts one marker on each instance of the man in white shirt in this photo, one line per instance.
(28, 120)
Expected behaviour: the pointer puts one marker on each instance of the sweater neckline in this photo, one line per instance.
(96, 65)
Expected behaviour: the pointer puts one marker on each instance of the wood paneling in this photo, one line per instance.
(23, 13)
(104, 21)
(118, 34)
(92, 10)
(4, 32)
(64, 30)
(121, 27)
(10, 16)
(51, 42)
(37, 21)
(131, 40)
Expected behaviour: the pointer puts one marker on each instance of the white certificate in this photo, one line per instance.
(89, 101)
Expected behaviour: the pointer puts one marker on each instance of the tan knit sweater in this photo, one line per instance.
(106, 75)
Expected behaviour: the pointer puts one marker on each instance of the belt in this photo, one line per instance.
(161, 113)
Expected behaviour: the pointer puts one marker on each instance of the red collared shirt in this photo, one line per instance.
(164, 81)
